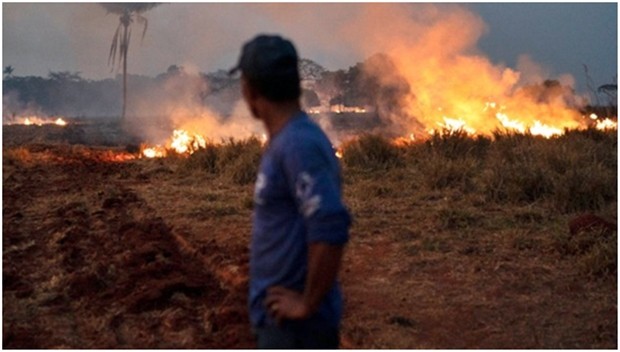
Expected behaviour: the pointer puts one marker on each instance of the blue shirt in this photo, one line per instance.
(297, 201)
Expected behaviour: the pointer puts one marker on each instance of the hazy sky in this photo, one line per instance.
(560, 37)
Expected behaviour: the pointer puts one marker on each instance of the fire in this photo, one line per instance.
(185, 143)
(339, 153)
(606, 124)
(154, 152)
(182, 142)
(404, 141)
(540, 129)
(37, 121)
(454, 125)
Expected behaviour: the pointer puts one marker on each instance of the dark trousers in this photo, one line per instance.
(273, 337)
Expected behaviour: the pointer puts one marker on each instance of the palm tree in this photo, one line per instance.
(120, 42)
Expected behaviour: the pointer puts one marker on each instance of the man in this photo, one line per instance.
(300, 225)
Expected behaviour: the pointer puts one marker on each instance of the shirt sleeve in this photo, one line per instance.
(314, 182)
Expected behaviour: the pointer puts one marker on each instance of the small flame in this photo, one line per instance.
(154, 152)
(404, 141)
(37, 121)
(339, 153)
(606, 124)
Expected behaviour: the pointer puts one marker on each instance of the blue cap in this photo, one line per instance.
(267, 56)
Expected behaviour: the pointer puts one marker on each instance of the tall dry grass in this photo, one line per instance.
(531, 183)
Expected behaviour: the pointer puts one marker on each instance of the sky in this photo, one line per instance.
(553, 39)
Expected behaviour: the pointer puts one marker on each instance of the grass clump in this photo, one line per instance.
(589, 187)
(594, 250)
(239, 161)
(452, 218)
(17, 155)
(371, 152)
(233, 160)
(442, 172)
(204, 159)
(457, 144)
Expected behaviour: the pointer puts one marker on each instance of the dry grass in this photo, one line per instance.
(456, 242)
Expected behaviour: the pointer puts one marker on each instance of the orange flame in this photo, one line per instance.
(181, 142)
(37, 121)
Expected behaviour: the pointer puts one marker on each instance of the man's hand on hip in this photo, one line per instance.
(283, 303)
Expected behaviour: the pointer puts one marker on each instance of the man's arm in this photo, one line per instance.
(323, 265)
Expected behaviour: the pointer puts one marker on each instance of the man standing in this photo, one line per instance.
(300, 225)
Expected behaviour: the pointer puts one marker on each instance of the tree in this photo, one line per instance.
(120, 42)
(8, 70)
(65, 76)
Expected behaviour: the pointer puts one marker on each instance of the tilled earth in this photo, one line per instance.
(88, 263)
(103, 251)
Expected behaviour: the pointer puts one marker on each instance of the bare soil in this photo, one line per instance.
(104, 251)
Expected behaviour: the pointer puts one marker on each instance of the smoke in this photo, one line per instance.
(180, 101)
(421, 67)
(128, 7)
(433, 48)
(13, 107)
(436, 70)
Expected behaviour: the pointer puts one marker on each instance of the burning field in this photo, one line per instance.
(505, 240)
(484, 197)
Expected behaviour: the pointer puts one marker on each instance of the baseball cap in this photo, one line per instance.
(266, 56)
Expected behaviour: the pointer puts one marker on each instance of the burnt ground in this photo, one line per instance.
(102, 251)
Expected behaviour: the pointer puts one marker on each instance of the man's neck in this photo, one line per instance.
(279, 115)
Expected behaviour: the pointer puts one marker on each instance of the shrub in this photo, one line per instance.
(525, 181)
(457, 144)
(239, 160)
(371, 152)
(235, 160)
(442, 172)
(243, 169)
(594, 251)
(602, 259)
(203, 159)
(232, 150)
(588, 187)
